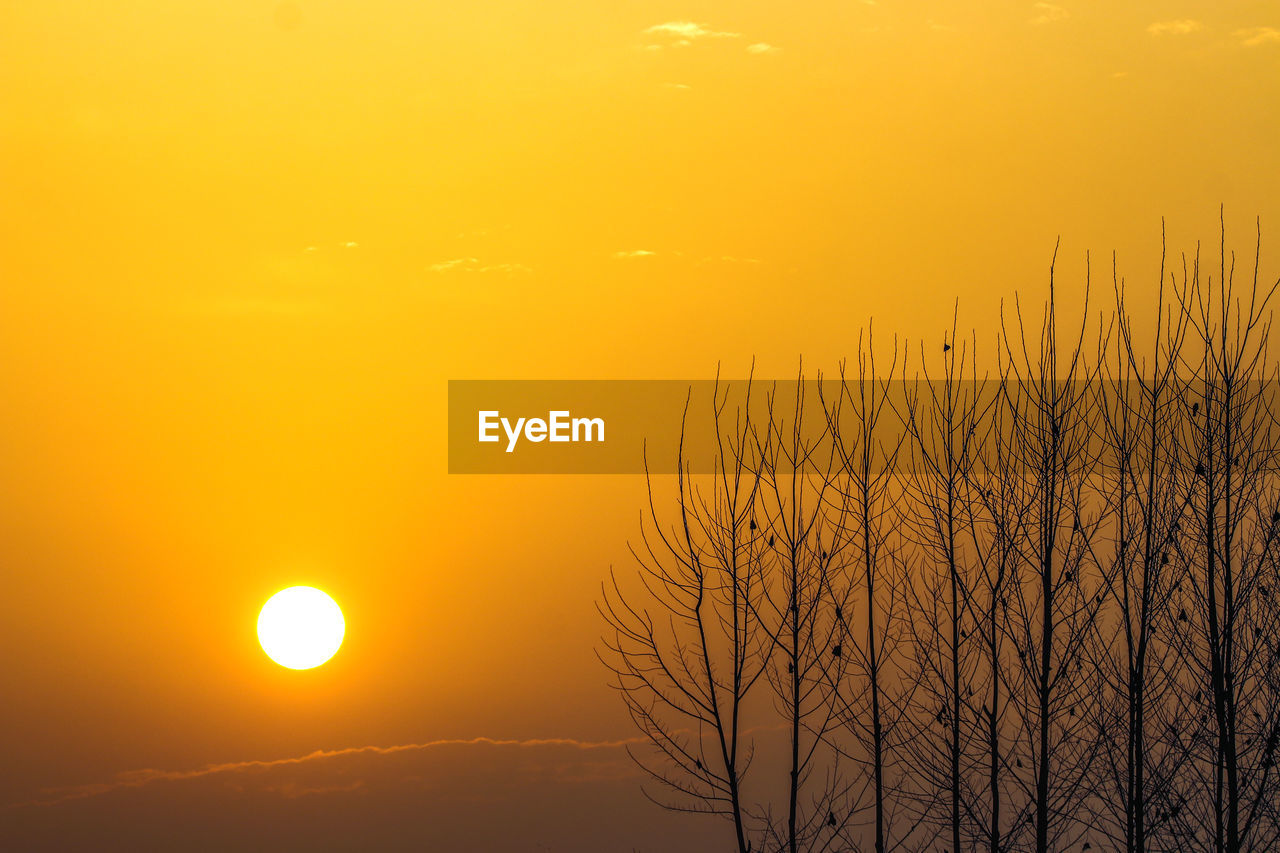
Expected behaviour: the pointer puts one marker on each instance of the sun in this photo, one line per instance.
(300, 627)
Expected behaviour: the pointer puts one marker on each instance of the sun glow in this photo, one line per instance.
(300, 627)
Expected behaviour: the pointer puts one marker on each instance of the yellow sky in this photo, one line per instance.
(244, 245)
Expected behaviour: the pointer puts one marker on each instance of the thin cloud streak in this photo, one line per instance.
(474, 265)
(1255, 36)
(148, 776)
(688, 30)
(1048, 13)
(1180, 27)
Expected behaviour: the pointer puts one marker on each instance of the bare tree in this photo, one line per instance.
(942, 416)
(868, 447)
(804, 544)
(1144, 480)
(686, 646)
(1232, 440)
(996, 526)
(1052, 590)
(1028, 613)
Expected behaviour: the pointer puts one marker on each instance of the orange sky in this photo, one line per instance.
(244, 245)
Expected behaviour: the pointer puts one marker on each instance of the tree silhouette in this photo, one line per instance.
(868, 450)
(1033, 612)
(806, 595)
(1052, 590)
(1147, 493)
(1230, 549)
(942, 417)
(686, 667)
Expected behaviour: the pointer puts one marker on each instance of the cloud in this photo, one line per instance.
(345, 244)
(466, 794)
(681, 86)
(1048, 13)
(1255, 36)
(1179, 27)
(456, 263)
(731, 259)
(151, 776)
(474, 265)
(509, 269)
(700, 259)
(762, 47)
(688, 31)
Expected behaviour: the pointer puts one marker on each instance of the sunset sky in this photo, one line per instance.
(244, 246)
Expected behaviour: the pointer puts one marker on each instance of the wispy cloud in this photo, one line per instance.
(509, 269)
(474, 265)
(634, 253)
(141, 778)
(762, 47)
(345, 244)
(1048, 13)
(456, 263)
(1179, 27)
(689, 31)
(1255, 36)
